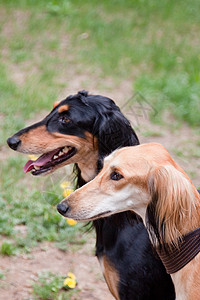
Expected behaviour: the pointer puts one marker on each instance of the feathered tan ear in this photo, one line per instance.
(172, 202)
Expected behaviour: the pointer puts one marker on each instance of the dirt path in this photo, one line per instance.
(22, 270)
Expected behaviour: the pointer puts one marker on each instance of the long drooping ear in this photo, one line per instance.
(171, 205)
(113, 131)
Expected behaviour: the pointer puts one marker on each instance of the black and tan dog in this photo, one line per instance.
(83, 129)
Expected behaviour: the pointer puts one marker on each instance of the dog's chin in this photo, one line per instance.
(89, 218)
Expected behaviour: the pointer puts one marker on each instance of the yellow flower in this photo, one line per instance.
(71, 275)
(67, 192)
(33, 157)
(71, 222)
(69, 282)
(65, 184)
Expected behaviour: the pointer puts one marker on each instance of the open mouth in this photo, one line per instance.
(49, 160)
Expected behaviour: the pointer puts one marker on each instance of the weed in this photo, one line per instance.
(8, 248)
(50, 286)
(2, 275)
(152, 133)
(32, 205)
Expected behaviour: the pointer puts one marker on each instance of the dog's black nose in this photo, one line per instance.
(13, 142)
(62, 208)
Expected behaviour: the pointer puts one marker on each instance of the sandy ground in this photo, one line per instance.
(21, 271)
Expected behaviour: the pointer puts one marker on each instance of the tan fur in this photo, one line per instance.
(149, 174)
(176, 202)
(112, 277)
(56, 103)
(63, 108)
(187, 281)
(36, 141)
(39, 141)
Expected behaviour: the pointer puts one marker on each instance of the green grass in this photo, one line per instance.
(176, 92)
(7, 248)
(51, 286)
(156, 40)
(2, 276)
(32, 204)
(152, 133)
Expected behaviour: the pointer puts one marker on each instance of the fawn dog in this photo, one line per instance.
(148, 181)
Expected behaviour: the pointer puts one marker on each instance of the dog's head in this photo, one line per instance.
(144, 179)
(80, 129)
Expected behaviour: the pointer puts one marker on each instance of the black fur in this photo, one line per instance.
(142, 275)
(157, 233)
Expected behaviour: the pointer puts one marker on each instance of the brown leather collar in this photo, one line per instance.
(175, 258)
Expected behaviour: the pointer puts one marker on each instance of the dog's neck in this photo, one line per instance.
(88, 166)
(185, 288)
(88, 157)
(186, 281)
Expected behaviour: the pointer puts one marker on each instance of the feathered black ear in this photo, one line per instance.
(113, 131)
(83, 93)
(83, 96)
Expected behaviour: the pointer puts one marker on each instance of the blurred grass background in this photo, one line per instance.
(154, 44)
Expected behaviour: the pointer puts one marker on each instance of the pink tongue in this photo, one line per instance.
(41, 161)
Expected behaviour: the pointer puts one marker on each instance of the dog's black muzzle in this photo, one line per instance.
(62, 208)
(13, 142)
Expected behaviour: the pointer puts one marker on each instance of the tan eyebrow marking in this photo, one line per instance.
(56, 103)
(63, 108)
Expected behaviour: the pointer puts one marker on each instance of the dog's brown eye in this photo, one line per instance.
(65, 120)
(116, 176)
